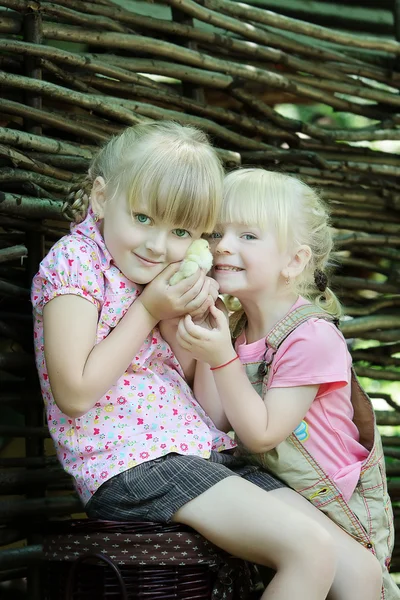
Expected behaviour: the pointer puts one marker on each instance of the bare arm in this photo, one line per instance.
(207, 395)
(261, 424)
(168, 330)
(204, 387)
(198, 376)
(81, 371)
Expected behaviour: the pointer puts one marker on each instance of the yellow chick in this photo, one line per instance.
(197, 255)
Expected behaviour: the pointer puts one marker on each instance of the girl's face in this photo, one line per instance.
(141, 245)
(247, 261)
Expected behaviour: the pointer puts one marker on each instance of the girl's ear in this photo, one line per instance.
(298, 262)
(98, 197)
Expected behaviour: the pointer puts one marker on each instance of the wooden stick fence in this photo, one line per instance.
(73, 73)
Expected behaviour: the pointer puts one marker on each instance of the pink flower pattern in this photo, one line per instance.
(129, 424)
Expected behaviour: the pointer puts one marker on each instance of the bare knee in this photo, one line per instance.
(363, 570)
(372, 573)
(254, 525)
(313, 548)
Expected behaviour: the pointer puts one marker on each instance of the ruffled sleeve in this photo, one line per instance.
(73, 267)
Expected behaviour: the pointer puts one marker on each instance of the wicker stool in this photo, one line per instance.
(96, 560)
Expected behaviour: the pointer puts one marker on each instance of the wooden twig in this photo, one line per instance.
(290, 156)
(136, 43)
(78, 164)
(251, 32)
(364, 239)
(257, 52)
(375, 359)
(74, 60)
(373, 226)
(373, 212)
(40, 143)
(63, 505)
(8, 175)
(97, 103)
(387, 417)
(31, 208)
(9, 289)
(12, 253)
(168, 69)
(267, 17)
(356, 283)
(385, 374)
(251, 125)
(66, 77)
(20, 557)
(19, 159)
(77, 18)
(353, 90)
(384, 336)
(32, 33)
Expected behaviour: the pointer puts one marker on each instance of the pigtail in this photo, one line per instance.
(329, 302)
(103, 164)
(77, 203)
(316, 288)
(317, 233)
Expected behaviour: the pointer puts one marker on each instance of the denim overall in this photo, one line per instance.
(368, 515)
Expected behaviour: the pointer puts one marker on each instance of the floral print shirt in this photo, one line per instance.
(150, 411)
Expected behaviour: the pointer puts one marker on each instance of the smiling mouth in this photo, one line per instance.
(227, 268)
(147, 261)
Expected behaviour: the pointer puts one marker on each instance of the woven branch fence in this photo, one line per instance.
(75, 72)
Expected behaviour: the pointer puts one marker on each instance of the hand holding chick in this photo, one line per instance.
(198, 255)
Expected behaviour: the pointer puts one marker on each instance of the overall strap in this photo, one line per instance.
(281, 331)
(295, 318)
(284, 327)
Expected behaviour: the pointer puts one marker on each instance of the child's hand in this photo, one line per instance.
(202, 313)
(208, 321)
(211, 344)
(163, 301)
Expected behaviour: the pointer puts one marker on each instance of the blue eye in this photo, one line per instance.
(249, 236)
(143, 219)
(215, 235)
(181, 233)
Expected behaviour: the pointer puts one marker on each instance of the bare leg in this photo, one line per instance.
(255, 525)
(358, 573)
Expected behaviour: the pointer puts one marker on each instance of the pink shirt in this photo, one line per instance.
(316, 354)
(150, 411)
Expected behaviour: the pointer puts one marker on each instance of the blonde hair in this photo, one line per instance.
(295, 213)
(170, 168)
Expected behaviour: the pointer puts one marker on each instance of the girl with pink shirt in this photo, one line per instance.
(123, 418)
(285, 383)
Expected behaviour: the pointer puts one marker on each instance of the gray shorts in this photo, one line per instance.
(156, 490)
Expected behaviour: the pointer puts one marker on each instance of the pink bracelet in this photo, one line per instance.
(225, 364)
